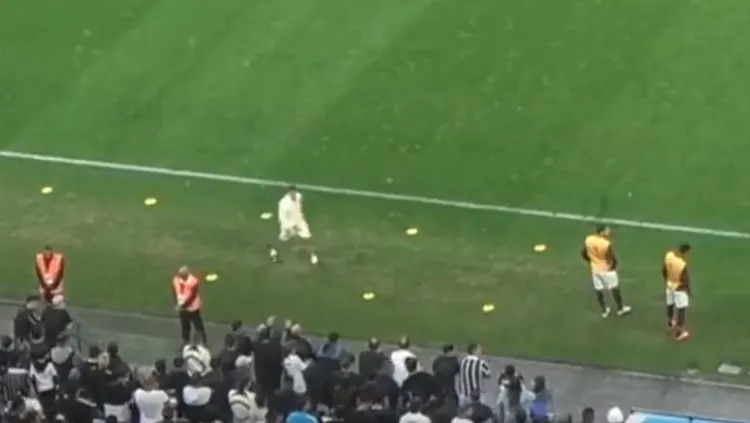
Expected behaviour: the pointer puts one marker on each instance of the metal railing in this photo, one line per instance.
(75, 332)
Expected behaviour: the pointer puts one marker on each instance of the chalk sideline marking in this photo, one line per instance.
(189, 174)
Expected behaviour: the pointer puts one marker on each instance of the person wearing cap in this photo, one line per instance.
(371, 360)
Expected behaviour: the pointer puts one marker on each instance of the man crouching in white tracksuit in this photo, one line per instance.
(292, 223)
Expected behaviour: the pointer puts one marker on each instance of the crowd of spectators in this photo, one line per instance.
(265, 374)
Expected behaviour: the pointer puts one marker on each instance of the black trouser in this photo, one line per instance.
(48, 402)
(194, 319)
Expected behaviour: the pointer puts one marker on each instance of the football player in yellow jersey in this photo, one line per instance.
(678, 293)
(600, 255)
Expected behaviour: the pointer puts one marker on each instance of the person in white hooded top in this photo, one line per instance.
(197, 358)
(150, 399)
(246, 405)
(294, 368)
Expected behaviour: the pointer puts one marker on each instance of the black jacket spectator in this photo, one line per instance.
(37, 342)
(348, 384)
(160, 373)
(64, 358)
(228, 354)
(387, 387)
(55, 320)
(478, 412)
(80, 407)
(371, 360)
(294, 340)
(177, 379)
(93, 376)
(116, 364)
(8, 353)
(371, 408)
(268, 358)
(420, 385)
(319, 378)
(445, 368)
(26, 318)
(219, 402)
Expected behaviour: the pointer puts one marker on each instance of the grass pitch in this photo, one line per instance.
(552, 105)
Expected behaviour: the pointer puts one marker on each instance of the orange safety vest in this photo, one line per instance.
(186, 292)
(51, 273)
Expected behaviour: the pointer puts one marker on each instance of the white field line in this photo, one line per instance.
(189, 174)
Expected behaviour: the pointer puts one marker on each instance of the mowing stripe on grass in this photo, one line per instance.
(189, 174)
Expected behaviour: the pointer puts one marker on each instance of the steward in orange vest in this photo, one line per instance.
(186, 287)
(50, 273)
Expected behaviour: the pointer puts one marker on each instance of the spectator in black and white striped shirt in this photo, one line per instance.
(473, 370)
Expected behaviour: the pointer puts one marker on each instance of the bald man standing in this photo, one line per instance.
(186, 287)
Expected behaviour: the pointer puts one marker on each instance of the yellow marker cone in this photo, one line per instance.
(150, 201)
(412, 231)
(47, 190)
(487, 308)
(540, 248)
(266, 215)
(212, 277)
(367, 296)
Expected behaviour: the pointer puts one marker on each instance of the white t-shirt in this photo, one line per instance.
(196, 396)
(290, 209)
(150, 404)
(294, 366)
(398, 359)
(243, 360)
(414, 418)
(45, 379)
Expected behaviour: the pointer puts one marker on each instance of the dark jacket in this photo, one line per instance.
(480, 413)
(94, 380)
(267, 362)
(370, 362)
(24, 321)
(300, 344)
(55, 321)
(80, 408)
(445, 368)
(176, 380)
(389, 389)
(63, 357)
(420, 385)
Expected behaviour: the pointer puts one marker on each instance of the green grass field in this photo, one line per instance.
(551, 105)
